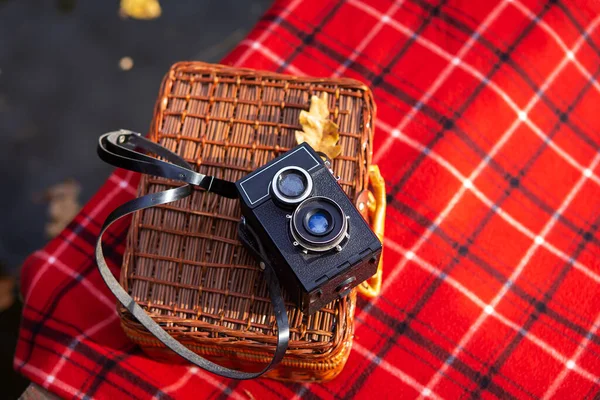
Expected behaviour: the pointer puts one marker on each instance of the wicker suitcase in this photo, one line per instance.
(183, 262)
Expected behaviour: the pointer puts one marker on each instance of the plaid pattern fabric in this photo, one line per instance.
(488, 137)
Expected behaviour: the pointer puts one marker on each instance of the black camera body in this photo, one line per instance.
(316, 240)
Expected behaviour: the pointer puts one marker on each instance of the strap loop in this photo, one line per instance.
(119, 149)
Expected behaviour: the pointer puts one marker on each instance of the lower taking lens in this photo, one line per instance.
(318, 223)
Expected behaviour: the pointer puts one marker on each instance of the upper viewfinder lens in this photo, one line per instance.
(291, 185)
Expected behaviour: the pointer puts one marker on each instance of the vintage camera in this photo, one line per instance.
(316, 240)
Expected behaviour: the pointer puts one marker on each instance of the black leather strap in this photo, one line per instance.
(120, 149)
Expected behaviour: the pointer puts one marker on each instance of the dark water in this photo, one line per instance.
(61, 86)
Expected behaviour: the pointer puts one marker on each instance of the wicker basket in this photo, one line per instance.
(183, 262)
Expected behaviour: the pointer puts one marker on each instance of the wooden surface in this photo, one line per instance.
(36, 392)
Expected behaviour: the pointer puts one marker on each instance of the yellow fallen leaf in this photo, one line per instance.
(63, 206)
(141, 9)
(321, 133)
(7, 297)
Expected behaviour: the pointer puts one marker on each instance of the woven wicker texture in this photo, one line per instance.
(183, 261)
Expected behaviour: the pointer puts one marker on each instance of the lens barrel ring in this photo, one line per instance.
(318, 242)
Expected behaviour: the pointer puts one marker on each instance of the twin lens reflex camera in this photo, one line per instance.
(316, 240)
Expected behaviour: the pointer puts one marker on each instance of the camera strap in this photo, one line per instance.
(121, 149)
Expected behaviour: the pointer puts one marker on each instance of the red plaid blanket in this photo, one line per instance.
(488, 136)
